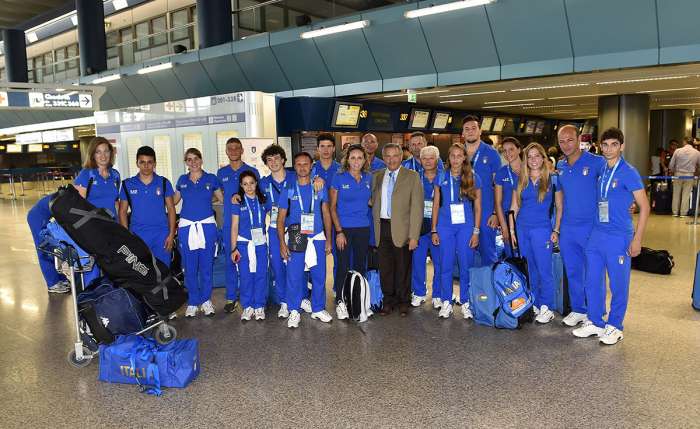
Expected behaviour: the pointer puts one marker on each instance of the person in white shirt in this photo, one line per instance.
(684, 162)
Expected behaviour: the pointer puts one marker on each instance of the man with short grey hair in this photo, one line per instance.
(684, 162)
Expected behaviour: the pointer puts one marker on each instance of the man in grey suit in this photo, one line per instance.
(397, 209)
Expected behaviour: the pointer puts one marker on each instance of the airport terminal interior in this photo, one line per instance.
(180, 74)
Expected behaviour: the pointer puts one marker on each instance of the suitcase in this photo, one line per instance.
(661, 197)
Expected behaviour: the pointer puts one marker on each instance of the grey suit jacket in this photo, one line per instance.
(406, 206)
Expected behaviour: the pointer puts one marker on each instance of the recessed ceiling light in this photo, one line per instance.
(580, 96)
(447, 7)
(450, 101)
(677, 105)
(538, 88)
(508, 105)
(550, 106)
(668, 90)
(335, 29)
(437, 91)
(155, 68)
(473, 93)
(646, 79)
(513, 101)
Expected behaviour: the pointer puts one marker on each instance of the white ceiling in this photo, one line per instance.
(573, 96)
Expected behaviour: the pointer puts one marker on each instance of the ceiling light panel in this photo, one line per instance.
(646, 79)
(540, 88)
(468, 94)
(513, 101)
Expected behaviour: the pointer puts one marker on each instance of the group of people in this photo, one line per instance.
(289, 221)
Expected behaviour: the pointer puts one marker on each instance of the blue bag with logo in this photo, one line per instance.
(375, 291)
(132, 359)
(512, 289)
(482, 296)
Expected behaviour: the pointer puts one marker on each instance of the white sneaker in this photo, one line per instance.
(191, 311)
(341, 311)
(259, 314)
(60, 287)
(306, 305)
(446, 310)
(588, 329)
(536, 310)
(466, 311)
(546, 315)
(437, 303)
(573, 319)
(294, 318)
(417, 300)
(208, 308)
(284, 312)
(611, 335)
(247, 314)
(322, 315)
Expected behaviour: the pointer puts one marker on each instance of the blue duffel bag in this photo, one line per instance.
(483, 300)
(132, 359)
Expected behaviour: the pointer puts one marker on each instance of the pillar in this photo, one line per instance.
(91, 37)
(15, 51)
(669, 124)
(214, 24)
(630, 113)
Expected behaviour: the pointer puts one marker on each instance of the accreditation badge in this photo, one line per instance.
(258, 236)
(603, 212)
(428, 209)
(457, 213)
(307, 223)
(273, 215)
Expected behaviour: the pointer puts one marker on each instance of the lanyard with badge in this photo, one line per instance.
(307, 218)
(603, 204)
(275, 209)
(510, 176)
(456, 210)
(428, 202)
(257, 234)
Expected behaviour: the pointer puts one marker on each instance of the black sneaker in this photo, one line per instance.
(230, 306)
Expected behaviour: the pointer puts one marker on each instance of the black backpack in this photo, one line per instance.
(653, 261)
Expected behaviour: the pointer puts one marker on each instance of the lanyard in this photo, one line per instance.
(476, 155)
(510, 176)
(272, 194)
(250, 212)
(301, 204)
(604, 193)
(413, 161)
(452, 189)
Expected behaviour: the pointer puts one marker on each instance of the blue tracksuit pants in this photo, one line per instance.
(418, 277)
(253, 286)
(487, 244)
(454, 241)
(155, 239)
(572, 244)
(279, 268)
(231, 275)
(536, 247)
(37, 222)
(198, 265)
(297, 283)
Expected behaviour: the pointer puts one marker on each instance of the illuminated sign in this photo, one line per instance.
(60, 100)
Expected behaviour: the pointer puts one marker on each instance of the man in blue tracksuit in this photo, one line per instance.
(416, 143)
(37, 218)
(150, 197)
(613, 242)
(578, 176)
(370, 143)
(485, 161)
(228, 176)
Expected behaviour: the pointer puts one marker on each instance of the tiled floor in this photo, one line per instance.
(391, 372)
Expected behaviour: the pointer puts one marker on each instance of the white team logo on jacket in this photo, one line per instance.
(585, 171)
(614, 183)
(486, 159)
(345, 187)
(158, 191)
(621, 260)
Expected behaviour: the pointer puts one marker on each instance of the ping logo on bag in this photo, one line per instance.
(133, 260)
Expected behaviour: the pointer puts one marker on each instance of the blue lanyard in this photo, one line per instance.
(476, 155)
(452, 189)
(250, 212)
(301, 204)
(604, 193)
(510, 176)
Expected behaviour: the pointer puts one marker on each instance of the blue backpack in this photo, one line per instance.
(511, 286)
(482, 296)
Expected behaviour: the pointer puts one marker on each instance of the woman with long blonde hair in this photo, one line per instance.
(532, 203)
(455, 225)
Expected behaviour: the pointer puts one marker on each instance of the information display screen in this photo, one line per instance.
(14, 148)
(346, 115)
(35, 148)
(486, 123)
(540, 127)
(419, 118)
(440, 120)
(498, 125)
(530, 127)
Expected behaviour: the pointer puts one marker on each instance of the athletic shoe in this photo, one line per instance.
(322, 315)
(536, 310)
(247, 314)
(294, 319)
(191, 311)
(417, 300)
(60, 287)
(230, 306)
(546, 315)
(611, 335)
(284, 312)
(466, 311)
(260, 314)
(306, 305)
(341, 311)
(446, 310)
(573, 319)
(588, 329)
(208, 308)
(437, 303)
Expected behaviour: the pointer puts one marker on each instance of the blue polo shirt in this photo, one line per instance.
(103, 192)
(486, 162)
(228, 177)
(449, 194)
(376, 164)
(623, 183)
(251, 214)
(148, 209)
(353, 199)
(413, 164)
(196, 197)
(507, 178)
(326, 175)
(578, 182)
(275, 190)
(291, 203)
(533, 213)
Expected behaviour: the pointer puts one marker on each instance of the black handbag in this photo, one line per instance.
(653, 261)
(297, 241)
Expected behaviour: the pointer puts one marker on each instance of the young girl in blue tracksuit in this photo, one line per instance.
(197, 231)
(506, 182)
(456, 216)
(98, 182)
(249, 244)
(532, 204)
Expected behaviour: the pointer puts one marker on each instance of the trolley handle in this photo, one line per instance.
(513, 234)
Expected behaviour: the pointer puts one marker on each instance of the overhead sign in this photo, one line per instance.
(28, 138)
(62, 135)
(60, 100)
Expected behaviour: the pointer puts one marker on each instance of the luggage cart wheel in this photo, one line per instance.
(165, 333)
(83, 362)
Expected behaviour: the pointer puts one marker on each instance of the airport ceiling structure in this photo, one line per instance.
(13, 13)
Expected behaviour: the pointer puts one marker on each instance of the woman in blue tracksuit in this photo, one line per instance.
(197, 231)
(456, 216)
(532, 204)
(249, 244)
(506, 182)
(98, 182)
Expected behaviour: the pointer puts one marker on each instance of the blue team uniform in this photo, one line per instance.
(228, 177)
(376, 164)
(37, 218)
(507, 178)
(296, 281)
(413, 164)
(425, 243)
(327, 175)
(577, 182)
(103, 192)
(486, 162)
(251, 216)
(609, 242)
(149, 218)
(454, 237)
(197, 207)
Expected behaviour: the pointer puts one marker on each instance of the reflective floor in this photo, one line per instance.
(390, 372)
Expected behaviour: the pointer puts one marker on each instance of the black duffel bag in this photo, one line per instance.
(653, 261)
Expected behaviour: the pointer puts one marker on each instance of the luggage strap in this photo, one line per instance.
(147, 352)
(87, 215)
(162, 284)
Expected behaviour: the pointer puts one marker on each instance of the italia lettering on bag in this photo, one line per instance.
(133, 260)
(128, 371)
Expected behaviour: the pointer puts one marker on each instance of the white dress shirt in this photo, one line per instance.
(384, 214)
(685, 160)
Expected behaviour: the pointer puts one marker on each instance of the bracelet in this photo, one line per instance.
(557, 231)
(433, 232)
(340, 232)
(476, 231)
